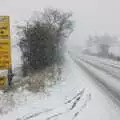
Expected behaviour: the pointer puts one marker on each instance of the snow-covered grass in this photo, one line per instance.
(37, 81)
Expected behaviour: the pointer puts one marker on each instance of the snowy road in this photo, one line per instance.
(104, 75)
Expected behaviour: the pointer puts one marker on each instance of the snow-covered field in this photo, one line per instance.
(75, 97)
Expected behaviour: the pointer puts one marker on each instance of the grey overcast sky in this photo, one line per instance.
(91, 16)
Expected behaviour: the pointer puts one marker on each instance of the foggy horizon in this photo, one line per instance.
(92, 17)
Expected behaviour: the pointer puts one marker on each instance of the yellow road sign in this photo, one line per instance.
(5, 54)
(5, 45)
(4, 27)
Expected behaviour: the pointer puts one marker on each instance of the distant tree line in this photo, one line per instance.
(101, 45)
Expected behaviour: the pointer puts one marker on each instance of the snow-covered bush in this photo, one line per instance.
(42, 39)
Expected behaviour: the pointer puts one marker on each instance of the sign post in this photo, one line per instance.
(5, 47)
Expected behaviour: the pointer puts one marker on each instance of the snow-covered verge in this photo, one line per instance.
(72, 98)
